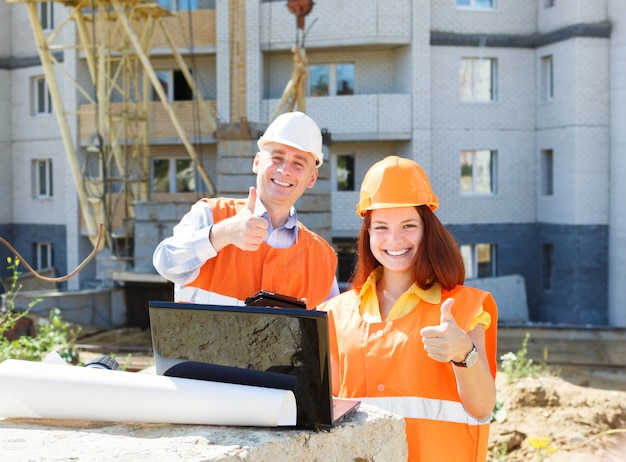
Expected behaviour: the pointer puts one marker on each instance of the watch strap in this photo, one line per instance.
(466, 360)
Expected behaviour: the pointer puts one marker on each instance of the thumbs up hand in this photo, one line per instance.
(251, 200)
(446, 341)
(252, 229)
(446, 311)
(243, 230)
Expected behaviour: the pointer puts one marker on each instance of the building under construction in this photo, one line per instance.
(126, 112)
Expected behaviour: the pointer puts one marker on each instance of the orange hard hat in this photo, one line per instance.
(395, 182)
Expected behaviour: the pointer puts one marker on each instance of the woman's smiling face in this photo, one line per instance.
(395, 236)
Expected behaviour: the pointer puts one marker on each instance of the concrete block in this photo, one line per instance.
(235, 165)
(106, 265)
(235, 185)
(101, 308)
(313, 203)
(155, 211)
(315, 221)
(369, 435)
(509, 293)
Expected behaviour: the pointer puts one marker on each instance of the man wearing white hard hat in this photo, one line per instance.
(225, 250)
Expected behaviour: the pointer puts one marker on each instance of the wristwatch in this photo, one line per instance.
(469, 360)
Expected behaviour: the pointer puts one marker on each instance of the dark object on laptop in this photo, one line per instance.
(215, 342)
(267, 298)
(227, 374)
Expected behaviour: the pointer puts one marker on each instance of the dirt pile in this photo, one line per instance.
(550, 419)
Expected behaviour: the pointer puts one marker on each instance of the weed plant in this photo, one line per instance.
(50, 334)
(518, 365)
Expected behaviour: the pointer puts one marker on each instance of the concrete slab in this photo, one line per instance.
(371, 434)
(509, 292)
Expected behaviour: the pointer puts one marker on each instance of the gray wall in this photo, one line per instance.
(579, 288)
(22, 236)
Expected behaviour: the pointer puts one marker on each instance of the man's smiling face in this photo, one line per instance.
(283, 174)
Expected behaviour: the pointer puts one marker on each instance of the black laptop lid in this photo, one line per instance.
(276, 347)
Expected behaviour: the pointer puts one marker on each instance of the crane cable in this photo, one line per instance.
(90, 257)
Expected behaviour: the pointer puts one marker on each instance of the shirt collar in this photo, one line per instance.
(292, 221)
(431, 295)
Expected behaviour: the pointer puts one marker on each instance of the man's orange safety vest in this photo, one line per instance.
(385, 364)
(304, 270)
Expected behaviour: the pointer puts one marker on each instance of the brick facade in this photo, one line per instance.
(406, 57)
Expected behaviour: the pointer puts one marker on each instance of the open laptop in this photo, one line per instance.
(284, 348)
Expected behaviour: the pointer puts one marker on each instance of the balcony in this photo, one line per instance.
(201, 22)
(347, 23)
(160, 129)
(359, 117)
(178, 26)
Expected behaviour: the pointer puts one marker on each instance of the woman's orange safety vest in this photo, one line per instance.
(385, 364)
(304, 270)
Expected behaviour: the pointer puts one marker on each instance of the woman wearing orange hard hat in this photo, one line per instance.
(408, 336)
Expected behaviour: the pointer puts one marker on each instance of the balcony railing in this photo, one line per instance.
(178, 25)
(356, 23)
(359, 117)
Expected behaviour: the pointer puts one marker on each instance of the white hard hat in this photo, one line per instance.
(297, 130)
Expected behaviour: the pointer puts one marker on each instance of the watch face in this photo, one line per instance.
(471, 358)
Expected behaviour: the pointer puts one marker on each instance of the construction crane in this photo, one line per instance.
(115, 37)
(294, 94)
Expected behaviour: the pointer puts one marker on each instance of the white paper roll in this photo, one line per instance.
(52, 391)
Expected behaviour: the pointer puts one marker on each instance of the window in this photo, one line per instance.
(179, 5)
(41, 178)
(547, 172)
(186, 5)
(478, 172)
(175, 86)
(346, 255)
(478, 4)
(547, 251)
(173, 176)
(44, 255)
(46, 15)
(479, 260)
(41, 100)
(345, 173)
(331, 79)
(478, 79)
(547, 78)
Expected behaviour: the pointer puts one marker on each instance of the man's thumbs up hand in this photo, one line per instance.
(243, 230)
(447, 340)
(251, 202)
(252, 229)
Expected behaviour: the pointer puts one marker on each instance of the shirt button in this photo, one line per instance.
(380, 387)
(379, 333)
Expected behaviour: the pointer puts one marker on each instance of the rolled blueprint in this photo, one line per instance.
(54, 391)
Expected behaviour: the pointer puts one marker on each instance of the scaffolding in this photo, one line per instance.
(115, 38)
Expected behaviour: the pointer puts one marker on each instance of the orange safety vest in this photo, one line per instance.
(385, 364)
(304, 270)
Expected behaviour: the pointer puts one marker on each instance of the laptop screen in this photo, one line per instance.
(287, 347)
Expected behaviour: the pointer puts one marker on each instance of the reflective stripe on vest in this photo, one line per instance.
(188, 294)
(413, 407)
